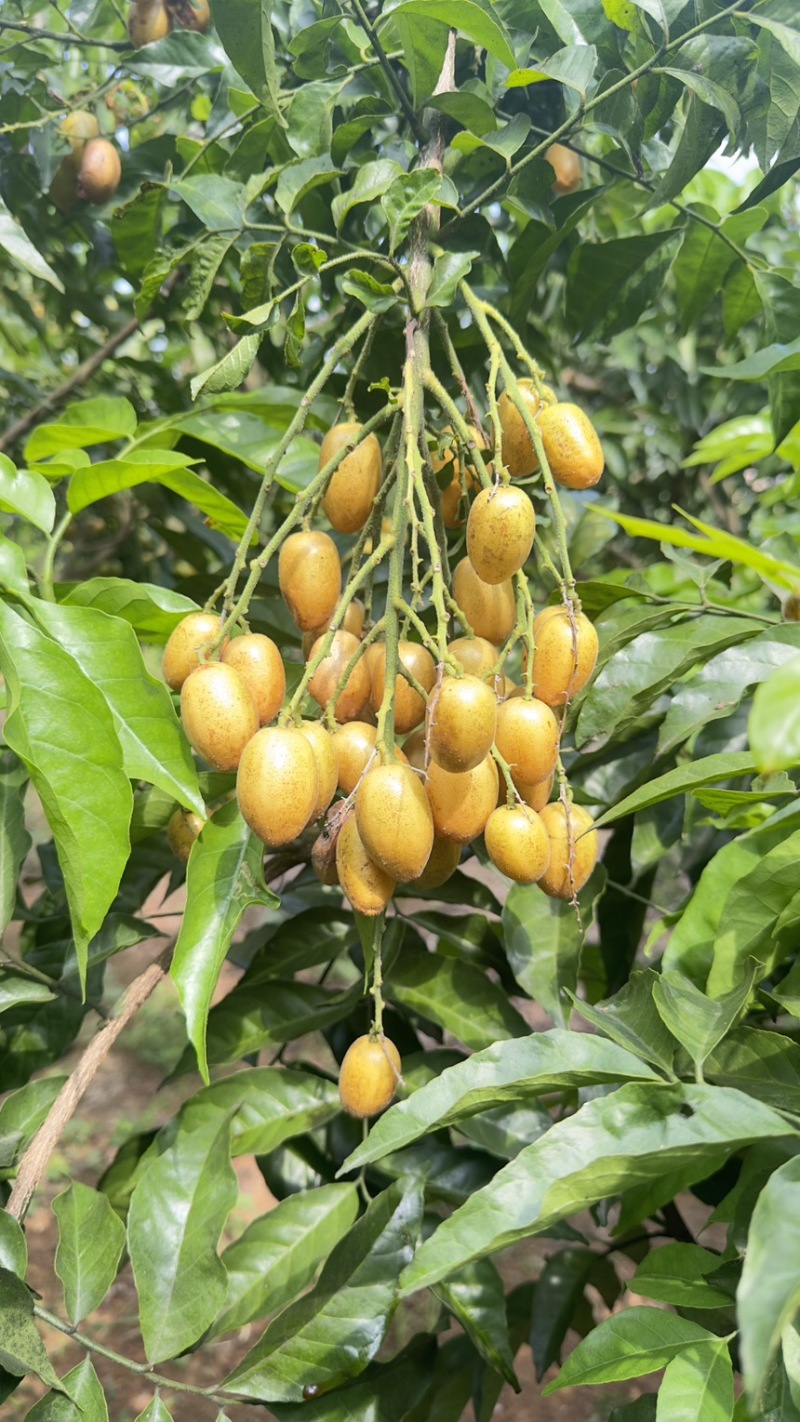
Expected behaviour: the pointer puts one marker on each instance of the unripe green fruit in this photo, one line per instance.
(182, 831)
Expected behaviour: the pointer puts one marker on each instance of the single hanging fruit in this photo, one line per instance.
(148, 21)
(519, 455)
(409, 706)
(182, 831)
(394, 820)
(326, 678)
(310, 578)
(573, 449)
(258, 662)
(527, 737)
(367, 886)
(443, 860)
(321, 743)
(278, 784)
(535, 796)
(100, 171)
(187, 646)
(354, 483)
(517, 843)
(474, 655)
(500, 532)
(567, 167)
(573, 849)
(218, 714)
(565, 654)
(461, 804)
(369, 1076)
(461, 720)
(489, 610)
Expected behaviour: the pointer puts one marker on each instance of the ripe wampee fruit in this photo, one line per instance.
(369, 1076)
(474, 655)
(321, 743)
(354, 483)
(409, 706)
(519, 455)
(148, 21)
(461, 720)
(367, 886)
(573, 849)
(190, 14)
(395, 821)
(464, 476)
(567, 167)
(517, 843)
(326, 678)
(461, 804)
(258, 662)
(278, 784)
(182, 831)
(187, 646)
(310, 578)
(218, 713)
(489, 610)
(100, 171)
(565, 654)
(527, 737)
(500, 532)
(573, 449)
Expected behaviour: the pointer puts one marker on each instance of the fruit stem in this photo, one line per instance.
(456, 366)
(453, 667)
(346, 404)
(500, 471)
(479, 309)
(460, 425)
(376, 991)
(511, 790)
(366, 642)
(46, 576)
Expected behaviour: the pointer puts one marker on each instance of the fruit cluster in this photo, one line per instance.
(152, 20)
(423, 744)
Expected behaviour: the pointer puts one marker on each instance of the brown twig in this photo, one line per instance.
(34, 1160)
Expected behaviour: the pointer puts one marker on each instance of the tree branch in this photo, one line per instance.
(34, 32)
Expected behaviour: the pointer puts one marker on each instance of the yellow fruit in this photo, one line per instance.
(443, 861)
(409, 706)
(353, 746)
(367, 886)
(259, 664)
(354, 483)
(394, 820)
(326, 678)
(489, 610)
(535, 796)
(188, 644)
(573, 849)
(100, 171)
(321, 743)
(369, 1076)
(278, 784)
(218, 713)
(190, 14)
(414, 748)
(500, 531)
(182, 831)
(519, 455)
(461, 804)
(527, 737)
(464, 478)
(474, 655)
(567, 167)
(573, 450)
(461, 721)
(517, 843)
(148, 21)
(565, 654)
(310, 577)
(79, 127)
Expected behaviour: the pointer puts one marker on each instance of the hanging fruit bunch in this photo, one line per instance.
(405, 739)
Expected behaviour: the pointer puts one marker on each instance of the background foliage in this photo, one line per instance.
(268, 184)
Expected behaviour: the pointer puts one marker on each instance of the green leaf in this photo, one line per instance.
(677, 1273)
(230, 371)
(719, 686)
(473, 20)
(697, 1385)
(13, 1249)
(476, 1298)
(774, 725)
(22, 1113)
(749, 925)
(89, 1403)
(153, 612)
(768, 1295)
(166, 467)
(225, 875)
(91, 1238)
(639, 1340)
(372, 181)
(706, 258)
(267, 1106)
(27, 494)
(637, 1135)
(631, 1019)
(21, 1349)
(18, 246)
(698, 1022)
(456, 996)
(14, 838)
(154, 747)
(207, 258)
(60, 726)
(714, 543)
(556, 1296)
(332, 1333)
(177, 1213)
(507, 1073)
(86, 423)
(611, 284)
(449, 268)
(770, 360)
(652, 662)
(298, 179)
(405, 199)
(13, 574)
(386, 1392)
(709, 770)
(253, 1017)
(375, 295)
(278, 1255)
(155, 1411)
(543, 940)
(245, 29)
(573, 66)
(217, 201)
(781, 302)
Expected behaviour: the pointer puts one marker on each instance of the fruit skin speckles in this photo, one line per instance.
(369, 1076)
(278, 784)
(219, 715)
(354, 483)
